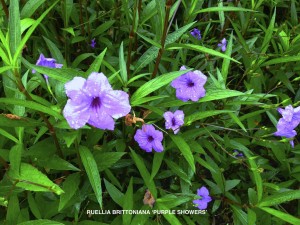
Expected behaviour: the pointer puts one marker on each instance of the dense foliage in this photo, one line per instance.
(186, 109)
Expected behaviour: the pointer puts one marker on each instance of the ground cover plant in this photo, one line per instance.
(149, 112)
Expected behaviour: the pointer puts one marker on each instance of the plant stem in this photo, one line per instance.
(49, 125)
(5, 8)
(163, 39)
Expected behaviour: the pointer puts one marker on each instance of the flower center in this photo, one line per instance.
(173, 122)
(150, 138)
(190, 83)
(96, 102)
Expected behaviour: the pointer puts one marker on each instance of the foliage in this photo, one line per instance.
(52, 174)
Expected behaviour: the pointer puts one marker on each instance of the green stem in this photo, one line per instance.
(163, 39)
(5, 8)
(49, 125)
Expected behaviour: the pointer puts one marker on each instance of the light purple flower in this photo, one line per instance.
(148, 138)
(190, 85)
(47, 62)
(290, 114)
(93, 43)
(204, 198)
(223, 45)
(174, 120)
(93, 101)
(289, 121)
(196, 33)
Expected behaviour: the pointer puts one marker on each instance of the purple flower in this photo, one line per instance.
(148, 138)
(237, 154)
(93, 43)
(290, 114)
(47, 62)
(190, 85)
(196, 33)
(289, 121)
(223, 45)
(174, 120)
(93, 101)
(205, 198)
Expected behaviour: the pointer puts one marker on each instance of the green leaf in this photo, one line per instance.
(105, 160)
(185, 150)
(30, 178)
(14, 26)
(279, 198)
(281, 215)
(103, 27)
(9, 136)
(224, 9)
(239, 214)
(56, 163)
(171, 218)
(70, 186)
(41, 222)
(70, 30)
(139, 162)
(153, 85)
(114, 193)
(33, 206)
(128, 203)
(29, 32)
(226, 62)
(200, 49)
(269, 35)
(201, 115)
(237, 121)
(15, 155)
(55, 52)
(229, 184)
(157, 160)
(152, 52)
(30, 7)
(13, 210)
(32, 105)
(284, 59)
(178, 171)
(95, 67)
(122, 65)
(91, 169)
(172, 201)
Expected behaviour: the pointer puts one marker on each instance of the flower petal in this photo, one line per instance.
(76, 114)
(96, 83)
(100, 119)
(74, 89)
(157, 146)
(116, 103)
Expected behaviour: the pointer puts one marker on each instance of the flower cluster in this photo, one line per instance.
(174, 120)
(93, 101)
(289, 121)
(93, 43)
(203, 193)
(47, 62)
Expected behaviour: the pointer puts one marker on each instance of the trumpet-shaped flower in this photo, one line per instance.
(190, 85)
(203, 193)
(223, 44)
(196, 33)
(47, 62)
(174, 120)
(148, 138)
(289, 121)
(93, 101)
